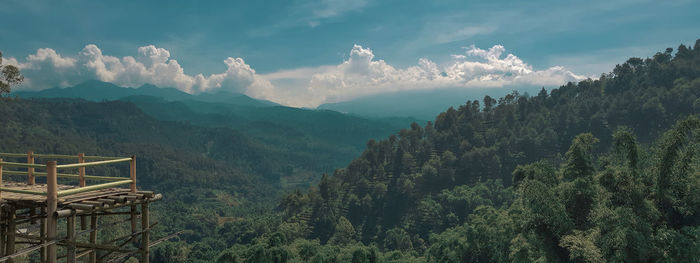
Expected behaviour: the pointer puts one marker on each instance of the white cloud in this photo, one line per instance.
(152, 65)
(361, 74)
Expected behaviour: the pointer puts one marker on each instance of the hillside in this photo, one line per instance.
(602, 182)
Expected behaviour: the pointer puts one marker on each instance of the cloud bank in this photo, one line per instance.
(361, 74)
(152, 65)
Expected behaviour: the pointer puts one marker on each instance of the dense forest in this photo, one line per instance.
(601, 170)
(595, 171)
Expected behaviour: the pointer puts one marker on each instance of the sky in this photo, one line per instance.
(304, 53)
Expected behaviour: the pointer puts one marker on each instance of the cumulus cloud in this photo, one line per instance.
(152, 65)
(362, 74)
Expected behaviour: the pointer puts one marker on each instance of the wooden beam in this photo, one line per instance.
(51, 206)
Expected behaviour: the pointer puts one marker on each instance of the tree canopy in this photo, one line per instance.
(9, 75)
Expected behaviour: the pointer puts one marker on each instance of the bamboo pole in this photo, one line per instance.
(0, 178)
(11, 230)
(12, 154)
(20, 191)
(55, 156)
(145, 250)
(72, 176)
(133, 218)
(93, 238)
(92, 188)
(81, 170)
(42, 234)
(30, 170)
(76, 165)
(51, 205)
(3, 231)
(132, 173)
(13, 164)
(70, 229)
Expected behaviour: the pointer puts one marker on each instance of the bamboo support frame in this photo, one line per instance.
(92, 188)
(70, 228)
(92, 258)
(30, 170)
(71, 176)
(47, 240)
(81, 170)
(132, 173)
(10, 237)
(1, 179)
(51, 204)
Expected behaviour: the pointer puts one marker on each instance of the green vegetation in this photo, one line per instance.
(9, 75)
(601, 170)
(461, 189)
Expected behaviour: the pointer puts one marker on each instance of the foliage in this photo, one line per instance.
(9, 75)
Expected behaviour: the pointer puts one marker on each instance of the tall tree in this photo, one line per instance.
(9, 75)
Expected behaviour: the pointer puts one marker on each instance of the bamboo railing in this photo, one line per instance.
(51, 174)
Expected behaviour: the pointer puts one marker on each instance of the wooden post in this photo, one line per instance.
(42, 233)
(81, 170)
(70, 229)
(145, 236)
(133, 219)
(3, 231)
(51, 205)
(0, 177)
(132, 173)
(30, 170)
(93, 237)
(83, 227)
(11, 230)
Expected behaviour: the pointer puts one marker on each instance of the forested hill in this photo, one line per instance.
(402, 189)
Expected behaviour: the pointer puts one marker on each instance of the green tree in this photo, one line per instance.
(9, 75)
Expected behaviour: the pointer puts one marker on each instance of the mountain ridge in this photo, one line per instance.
(95, 90)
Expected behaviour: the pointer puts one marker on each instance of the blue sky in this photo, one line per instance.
(303, 53)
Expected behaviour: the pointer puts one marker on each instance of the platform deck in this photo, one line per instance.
(26, 198)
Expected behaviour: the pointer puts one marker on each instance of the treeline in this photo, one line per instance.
(456, 189)
(631, 204)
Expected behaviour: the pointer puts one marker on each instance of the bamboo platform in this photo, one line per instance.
(30, 212)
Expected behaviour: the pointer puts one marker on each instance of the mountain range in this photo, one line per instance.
(94, 90)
